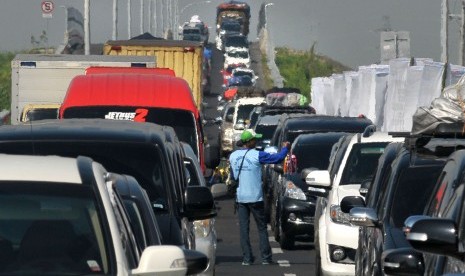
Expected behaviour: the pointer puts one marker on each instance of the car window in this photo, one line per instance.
(57, 225)
(362, 162)
(135, 218)
(266, 130)
(193, 180)
(412, 192)
(312, 155)
(244, 111)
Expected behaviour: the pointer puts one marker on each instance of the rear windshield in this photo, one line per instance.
(413, 191)
(243, 111)
(182, 121)
(313, 155)
(266, 130)
(51, 229)
(362, 162)
(236, 41)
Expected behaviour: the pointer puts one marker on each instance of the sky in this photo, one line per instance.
(345, 30)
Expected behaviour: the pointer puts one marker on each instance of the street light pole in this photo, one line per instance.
(266, 18)
(129, 19)
(141, 16)
(86, 27)
(115, 20)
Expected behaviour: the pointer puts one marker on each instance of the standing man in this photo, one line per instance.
(249, 193)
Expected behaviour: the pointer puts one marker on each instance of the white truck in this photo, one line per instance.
(41, 81)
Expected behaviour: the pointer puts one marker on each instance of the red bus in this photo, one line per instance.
(155, 98)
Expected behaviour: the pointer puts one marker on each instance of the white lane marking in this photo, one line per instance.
(287, 274)
(268, 227)
(271, 239)
(284, 263)
(276, 250)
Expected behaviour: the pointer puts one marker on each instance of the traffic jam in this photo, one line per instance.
(153, 158)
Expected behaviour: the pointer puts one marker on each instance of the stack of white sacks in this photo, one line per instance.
(386, 94)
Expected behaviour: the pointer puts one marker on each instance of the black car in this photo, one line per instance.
(266, 125)
(405, 191)
(295, 203)
(289, 127)
(152, 154)
(235, 40)
(443, 222)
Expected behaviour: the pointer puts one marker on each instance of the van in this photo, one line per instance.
(153, 98)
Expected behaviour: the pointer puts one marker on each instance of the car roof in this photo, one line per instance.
(97, 130)
(376, 137)
(138, 90)
(297, 122)
(39, 168)
(318, 138)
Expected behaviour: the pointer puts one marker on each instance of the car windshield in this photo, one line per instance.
(362, 162)
(231, 27)
(51, 229)
(236, 41)
(314, 155)
(191, 31)
(239, 54)
(182, 121)
(412, 192)
(244, 111)
(242, 73)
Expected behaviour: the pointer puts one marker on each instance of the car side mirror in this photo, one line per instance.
(363, 216)
(199, 203)
(318, 178)
(173, 261)
(349, 202)
(219, 190)
(305, 172)
(403, 261)
(436, 236)
(364, 187)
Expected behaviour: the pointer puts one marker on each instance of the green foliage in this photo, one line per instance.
(5, 80)
(299, 67)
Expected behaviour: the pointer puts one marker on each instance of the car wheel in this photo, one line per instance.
(285, 241)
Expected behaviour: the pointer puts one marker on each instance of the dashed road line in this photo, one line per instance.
(271, 239)
(268, 227)
(287, 274)
(276, 250)
(284, 263)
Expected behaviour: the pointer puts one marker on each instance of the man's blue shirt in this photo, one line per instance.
(250, 179)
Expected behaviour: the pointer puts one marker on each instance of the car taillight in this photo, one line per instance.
(116, 48)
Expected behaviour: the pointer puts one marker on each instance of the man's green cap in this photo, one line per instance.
(249, 134)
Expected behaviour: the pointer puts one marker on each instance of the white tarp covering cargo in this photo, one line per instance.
(376, 108)
(318, 102)
(395, 98)
(431, 82)
(328, 84)
(348, 77)
(354, 95)
(448, 108)
(339, 93)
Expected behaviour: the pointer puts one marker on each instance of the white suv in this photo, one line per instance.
(336, 240)
(59, 216)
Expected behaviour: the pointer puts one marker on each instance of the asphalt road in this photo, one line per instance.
(299, 261)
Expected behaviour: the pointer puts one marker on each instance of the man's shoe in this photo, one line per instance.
(267, 262)
(246, 263)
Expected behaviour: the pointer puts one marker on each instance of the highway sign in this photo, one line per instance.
(47, 9)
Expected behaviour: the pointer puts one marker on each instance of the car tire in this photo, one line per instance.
(285, 241)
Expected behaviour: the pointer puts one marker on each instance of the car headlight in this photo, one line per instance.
(338, 216)
(292, 191)
(202, 228)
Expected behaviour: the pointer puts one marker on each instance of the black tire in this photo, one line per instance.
(285, 241)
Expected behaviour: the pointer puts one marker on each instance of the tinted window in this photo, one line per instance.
(55, 225)
(362, 162)
(413, 190)
(312, 156)
(41, 114)
(266, 130)
(244, 111)
(182, 121)
(236, 41)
